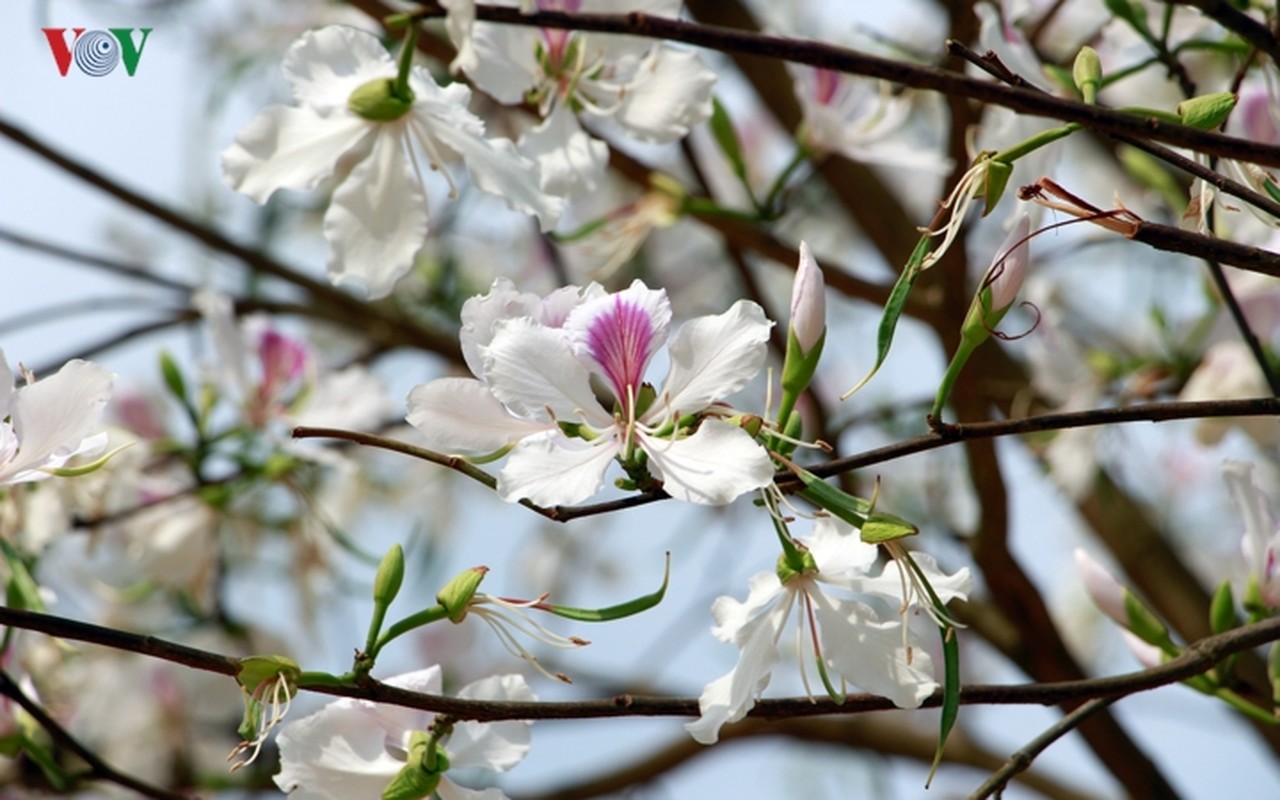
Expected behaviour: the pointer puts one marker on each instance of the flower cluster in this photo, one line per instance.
(539, 363)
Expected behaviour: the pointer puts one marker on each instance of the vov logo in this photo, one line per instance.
(96, 53)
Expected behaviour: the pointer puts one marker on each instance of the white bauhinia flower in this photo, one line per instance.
(377, 220)
(653, 91)
(1261, 540)
(352, 749)
(45, 423)
(861, 119)
(863, 639)
(539, 363)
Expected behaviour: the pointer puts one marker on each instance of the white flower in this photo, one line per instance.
(537, 360)
(861, 119)
(352, 749)
(45, 423)
(864, 641)
(377, 220)
(1261, 540)
(273, 376)
(653, 91)
(1228, 370)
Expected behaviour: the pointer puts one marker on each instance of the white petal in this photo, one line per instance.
(481, 313)
(377, 221)
(713, 357)
(731, 615)
(551, 469)
(571, 161)
(494, 165)
(530, 369)
(336, 753)
(729, 698)
(620, 332)
(7, 390)
(506, 61)
(492, 745)
(398, 722)
(290, 148)
(719, 462)
(459, 19)
(671, 92)
(461, 415)
(839, 552)
(52, 417)
(869, 653)
(448, 790)
(325, 66)
(229, 347)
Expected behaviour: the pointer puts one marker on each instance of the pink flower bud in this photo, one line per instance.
(808, 302)
(1009, 269)
(1103, 589)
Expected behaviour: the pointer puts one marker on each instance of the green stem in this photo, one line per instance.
(425, 617)
(400, 88)
(768, 208)
(1035, 143)
(967, 345)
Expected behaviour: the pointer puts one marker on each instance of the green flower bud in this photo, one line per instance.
(996, 179)
(1087, 73)
(881, 527)
(1222, 611)
(386, 584)
(1144, 623)
(1207, 111)
(378, 100)
(457, 594)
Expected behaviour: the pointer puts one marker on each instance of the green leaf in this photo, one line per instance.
(173, 378)
(893, 309)
(23, 591)
(727, 137)
(950, 691)
(620, 611)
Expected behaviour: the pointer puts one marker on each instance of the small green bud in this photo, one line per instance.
(172, 374)
(457, 594)
(997, 178)
(881, 527)
(1087, 73)
(1222, 611)
(800, 563)
(794, 426)
(386, 584)
(1207, 111)
(727, 138)
(378, 100)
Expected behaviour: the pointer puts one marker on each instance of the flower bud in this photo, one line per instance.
(808, 329)
(457, 594)
(377, 100)
(1207, 111)
(1102, 587)
(1003, 281)
(808, 302)
(1087, 73)
(386, 584)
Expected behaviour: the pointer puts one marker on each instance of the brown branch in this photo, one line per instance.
(1196, 659)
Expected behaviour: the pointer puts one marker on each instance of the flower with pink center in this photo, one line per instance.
(535, 395)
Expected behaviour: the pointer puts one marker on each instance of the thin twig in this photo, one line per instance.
(1021, 760)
